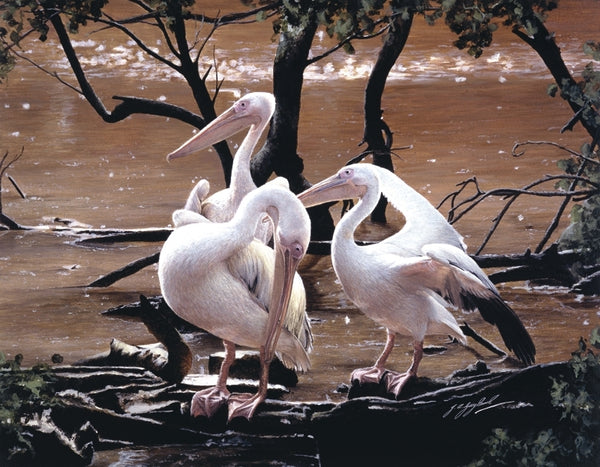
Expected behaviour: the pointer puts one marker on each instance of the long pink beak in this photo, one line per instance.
(333, 188)
(225, 125)
(287, 259)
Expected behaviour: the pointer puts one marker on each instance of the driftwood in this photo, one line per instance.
(440, 422)
(171, 359)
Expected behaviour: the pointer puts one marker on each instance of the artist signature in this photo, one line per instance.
(466, 409)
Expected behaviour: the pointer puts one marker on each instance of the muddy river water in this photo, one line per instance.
(460, 117)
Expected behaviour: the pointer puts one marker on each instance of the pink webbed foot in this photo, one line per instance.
(372, 374)
(244, 405)
(207, 402)
(394, 382)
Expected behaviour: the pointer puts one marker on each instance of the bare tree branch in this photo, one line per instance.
(118, 25)
(359, 35)
(575, 180)
(5, 164)
(460, 209)
(551, 143)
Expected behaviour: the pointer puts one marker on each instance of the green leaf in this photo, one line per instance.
(552, 90)
(592, 49)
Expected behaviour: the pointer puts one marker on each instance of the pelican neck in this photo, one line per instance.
(241, 177)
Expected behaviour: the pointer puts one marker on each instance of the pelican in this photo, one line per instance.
(253, 110)
(405, 282)
(220, 278)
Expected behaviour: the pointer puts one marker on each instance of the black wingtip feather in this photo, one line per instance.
(496, 311)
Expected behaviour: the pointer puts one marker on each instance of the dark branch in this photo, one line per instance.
(138, 105)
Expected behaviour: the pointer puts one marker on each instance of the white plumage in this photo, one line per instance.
(220, 278)
(406, 281)
(253, 110)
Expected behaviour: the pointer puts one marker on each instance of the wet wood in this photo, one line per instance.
(106, 404)
(589, 285)
(171, 359)
(436, 421)
(548, 267)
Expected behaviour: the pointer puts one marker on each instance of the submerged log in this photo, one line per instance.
(551, 266)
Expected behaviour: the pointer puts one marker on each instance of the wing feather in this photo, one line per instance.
(464, 290)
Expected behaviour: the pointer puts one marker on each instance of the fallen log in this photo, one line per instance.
(69, 412)
(441, 422)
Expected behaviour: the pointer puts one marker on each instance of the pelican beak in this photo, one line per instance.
(287, 258)
(331, 189)
(225, 125)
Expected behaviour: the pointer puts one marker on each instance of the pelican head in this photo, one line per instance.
(351, 181)
(252, 110)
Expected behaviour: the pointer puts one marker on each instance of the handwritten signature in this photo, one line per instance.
(464, 410)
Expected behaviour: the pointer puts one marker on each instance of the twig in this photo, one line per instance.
(573, 185)
(14, 183)
(4, 166)
(125, 271)
(469, 331)
(511, 195)
(550, 143)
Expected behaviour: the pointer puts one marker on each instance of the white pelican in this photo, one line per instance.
(253, 110)
(405, 281)
(218, 277)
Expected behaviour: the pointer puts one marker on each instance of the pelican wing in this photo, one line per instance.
(197, 196)
(449, 254)
(183, 217)
(465, 290)
(253, 266)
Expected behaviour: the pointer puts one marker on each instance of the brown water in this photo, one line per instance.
(461, 116)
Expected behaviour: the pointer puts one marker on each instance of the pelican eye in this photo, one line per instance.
(297, 250)
(347, 173)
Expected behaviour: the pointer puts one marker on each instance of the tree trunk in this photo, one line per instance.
(279, 154)
(545, 46)
(379, 146)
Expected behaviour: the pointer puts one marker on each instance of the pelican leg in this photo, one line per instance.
(244, 405)
(394, 382)
(374, 373)
(207, 402)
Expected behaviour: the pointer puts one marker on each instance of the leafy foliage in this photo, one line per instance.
(23, 393)
(576, 441)
(472, 20)
(584, 231)
(17, 15)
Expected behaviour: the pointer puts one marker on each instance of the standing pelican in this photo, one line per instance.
(253, 110)
(218, 277)
(405, 281)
